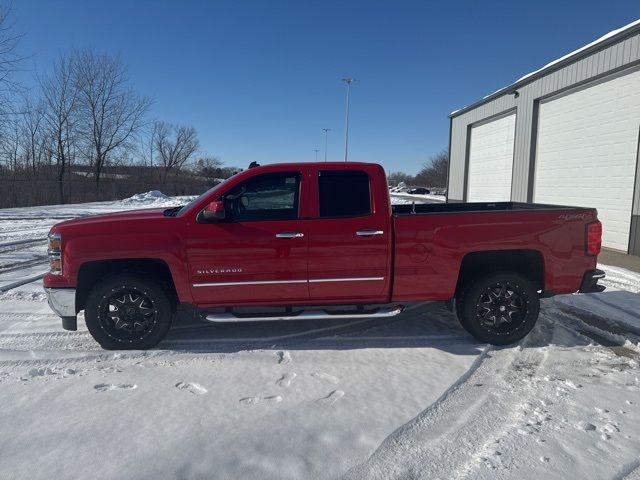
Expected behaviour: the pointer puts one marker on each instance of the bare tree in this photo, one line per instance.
(148, 143)
(10, 145)
(211, 169)
(9, 63)
(112, 112)
(10, 152)
(60, 106)
(33, 137)
(175, 145)
(394, 178)
(434, 172)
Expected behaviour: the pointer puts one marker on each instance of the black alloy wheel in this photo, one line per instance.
(127, 314)
(498, 308)
(128, 311)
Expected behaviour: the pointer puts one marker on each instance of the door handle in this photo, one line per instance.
(289, 235)
(369, 233)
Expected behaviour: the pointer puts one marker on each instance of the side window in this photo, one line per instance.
(344, 193)
(272, 196)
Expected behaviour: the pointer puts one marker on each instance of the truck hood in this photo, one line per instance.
(110, 221)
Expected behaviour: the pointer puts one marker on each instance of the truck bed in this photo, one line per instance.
(432, 240)
(425, 208)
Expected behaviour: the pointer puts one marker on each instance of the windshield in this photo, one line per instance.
(187, 206)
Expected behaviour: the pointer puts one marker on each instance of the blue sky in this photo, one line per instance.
(259, 80)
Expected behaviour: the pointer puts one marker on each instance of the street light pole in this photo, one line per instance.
(348, 81)
(326, 135)
(316, 150)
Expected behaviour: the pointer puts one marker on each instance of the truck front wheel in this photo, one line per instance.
(499, 308)
(128, 312)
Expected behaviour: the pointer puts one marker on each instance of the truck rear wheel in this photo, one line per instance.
(499, 308)
(128, 312)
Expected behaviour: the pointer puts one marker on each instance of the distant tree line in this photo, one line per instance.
(84, 133)
(432, 174)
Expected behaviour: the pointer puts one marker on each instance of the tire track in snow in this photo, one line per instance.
(47, 342)
(12, 267)
(615, 332)
(630, 471)
(19, 243)
(503, 409)
(61, 359)
(468, 418)
(21, 282)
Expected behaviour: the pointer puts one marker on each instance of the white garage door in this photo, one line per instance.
(491, 160)
(586, 153)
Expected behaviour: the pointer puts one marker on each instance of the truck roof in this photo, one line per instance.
(347, 165)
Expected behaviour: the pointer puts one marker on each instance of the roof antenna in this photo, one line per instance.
(254, 164)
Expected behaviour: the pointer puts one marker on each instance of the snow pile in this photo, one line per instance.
(151, 197)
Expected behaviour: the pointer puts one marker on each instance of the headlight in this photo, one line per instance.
(54, 252)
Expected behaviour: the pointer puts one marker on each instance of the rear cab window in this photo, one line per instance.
(344, 193)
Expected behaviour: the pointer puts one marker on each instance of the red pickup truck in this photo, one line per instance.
(316, 240)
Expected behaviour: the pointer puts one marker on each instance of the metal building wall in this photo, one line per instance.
(608, 59)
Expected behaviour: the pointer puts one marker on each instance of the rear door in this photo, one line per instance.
(259, 254)
(349, 238)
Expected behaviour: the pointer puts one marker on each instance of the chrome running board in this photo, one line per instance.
(306, 315)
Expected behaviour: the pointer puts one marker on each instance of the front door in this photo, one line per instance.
(259, 253)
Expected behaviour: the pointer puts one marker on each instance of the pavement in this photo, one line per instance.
(619, 259)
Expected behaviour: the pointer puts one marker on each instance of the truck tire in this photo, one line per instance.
(128, 312)
(499, 308)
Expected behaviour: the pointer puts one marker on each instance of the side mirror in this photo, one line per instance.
(214, 212)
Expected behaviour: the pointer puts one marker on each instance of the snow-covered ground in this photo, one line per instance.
(408, 198)
(414, 397)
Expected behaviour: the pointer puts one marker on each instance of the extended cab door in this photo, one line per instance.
(258, 254)
(350, 237)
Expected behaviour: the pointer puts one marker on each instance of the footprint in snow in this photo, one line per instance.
(286, 379)
(332, 398)
(41, 372)
(105, 387)
(110, 369)
(585, 426)
(257, 400)
(191, 387)
(326, 377)
(284, 357)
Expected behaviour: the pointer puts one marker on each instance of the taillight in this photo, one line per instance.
(594, 238)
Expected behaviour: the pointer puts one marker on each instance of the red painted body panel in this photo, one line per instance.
(337, 252)
(429, 248)
(417, 257)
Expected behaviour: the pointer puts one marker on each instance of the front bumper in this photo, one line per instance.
(63, 302)
(590, 282)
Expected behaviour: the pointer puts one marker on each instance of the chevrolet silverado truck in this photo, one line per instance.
(316, 240)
